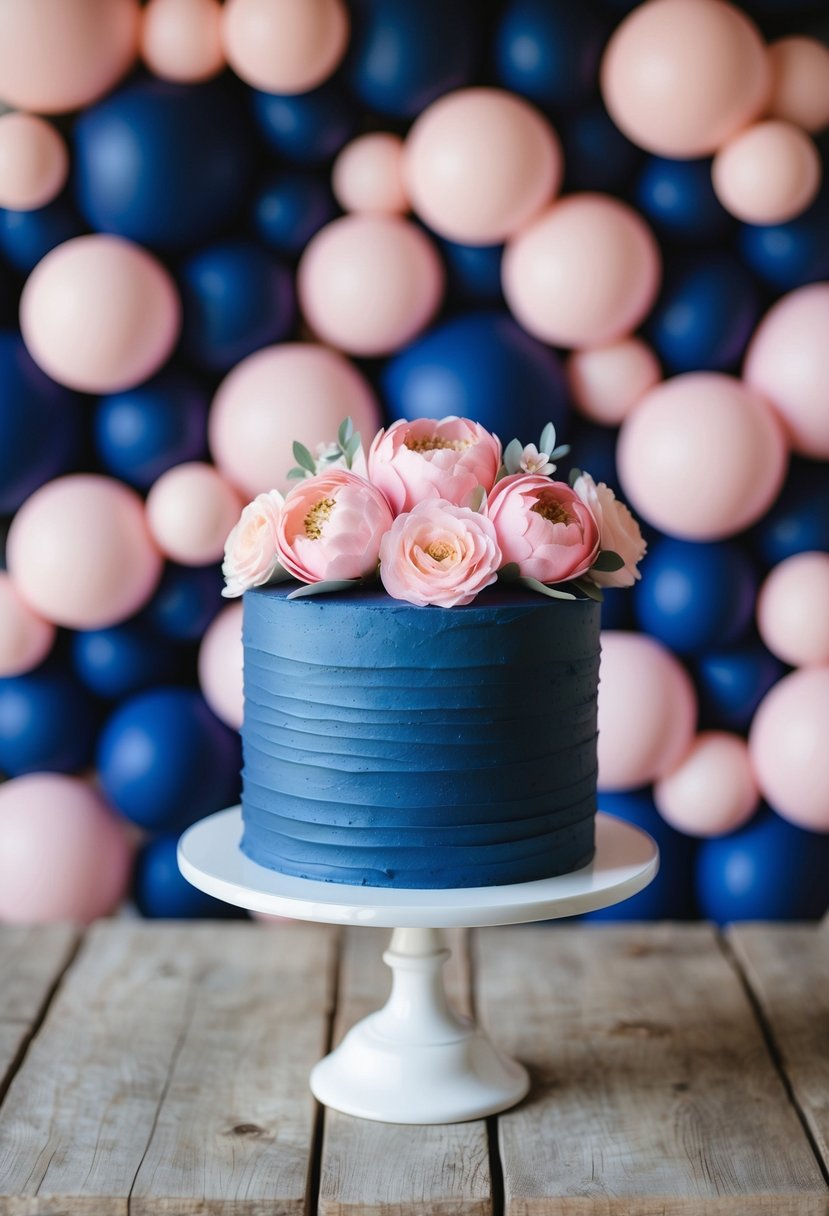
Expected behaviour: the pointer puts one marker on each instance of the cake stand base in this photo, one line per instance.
(415, 1060)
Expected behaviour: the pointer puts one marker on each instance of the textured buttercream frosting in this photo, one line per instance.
(396, 746)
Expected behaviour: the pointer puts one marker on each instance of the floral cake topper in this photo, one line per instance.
(438, 511)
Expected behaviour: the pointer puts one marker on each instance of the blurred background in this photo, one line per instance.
(226, 227)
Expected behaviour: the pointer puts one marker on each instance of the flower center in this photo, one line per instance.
(550, 508)
(317, 516)
(439, 550)
(434, 443)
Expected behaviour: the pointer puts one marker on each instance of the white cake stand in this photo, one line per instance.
(415, 1061)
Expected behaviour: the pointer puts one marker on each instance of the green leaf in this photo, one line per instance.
(512, 456)
(589, 589)
(575, 474)
(477, 498)
(509, 573)
(502, 473)
(324, 588)
(548, 439)
(297, 472)
(344, 433)
(559, 452)
(534, 585)
(607, 562)
(304, 458)
(352, 447)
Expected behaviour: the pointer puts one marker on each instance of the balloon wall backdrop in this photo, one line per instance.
(224, 227)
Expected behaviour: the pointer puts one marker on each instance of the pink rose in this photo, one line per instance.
(618, 529)
(413, 461)
(439, 553)
(331, 527)
(543, 527)
(251, 559)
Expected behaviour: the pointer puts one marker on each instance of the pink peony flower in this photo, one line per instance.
(544, 527)
(414, 461)
(331, 527)
(439, 553)
(251, 559)
(618, 529)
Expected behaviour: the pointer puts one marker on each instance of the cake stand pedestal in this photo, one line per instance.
(414, 1060)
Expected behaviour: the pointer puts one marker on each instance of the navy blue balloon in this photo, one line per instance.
(679, 200)
(403, 54)
(768, 870)
(705, 315)
(48, 723)
(793, 254)
(142, 432)
(236, 299)
(617, 608)
(41, 425)
(307, 127)
(27, 236)
(160, 891)
(732, 681)
(671, 894)
(121, 660)
(187, 599)
(290, 207)
(549, 50)
(164, 164)
(482, 366)
(592, 448)
(473, 272)
(165, 760)
(597, 156)
(696, 596)
(799, 521)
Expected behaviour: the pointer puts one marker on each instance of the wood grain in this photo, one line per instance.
(32, 960)
(382, 1169)
(787, 969)
(653, 1089)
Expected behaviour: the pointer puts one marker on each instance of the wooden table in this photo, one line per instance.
(160, 1068)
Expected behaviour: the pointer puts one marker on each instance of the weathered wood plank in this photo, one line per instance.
(82, 1111)
(787, 969)
(653, 1089)
(32, 959)
(382, 1169)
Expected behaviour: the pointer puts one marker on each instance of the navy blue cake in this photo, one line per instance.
(396, 746)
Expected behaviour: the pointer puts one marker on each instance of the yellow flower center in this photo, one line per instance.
(550, 508)
(317, 516)
(434, 443)
(440, 550)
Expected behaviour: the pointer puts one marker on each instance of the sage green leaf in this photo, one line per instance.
(324, 588)
(509, 573)
(589, 589)
(560, 452)
(297, 472)
(608, 561)
(575, 474)
(344, 433)
(534, 585)
(477, 499)
(548, 439)
(352, 447)
(512, 456)
(304, 458)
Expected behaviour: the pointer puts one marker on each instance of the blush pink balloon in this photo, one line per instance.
(479, 163)
(64, 855)
(25, 638)
(800, 82)
(292, 391)
(368, 175)
(584, 273)
(606, 382)
(701, 456)
(368, 284)
(767, 174)
(680, 77)
(81, 554)
(284, 46)
(59, 57)
(788, 748)
(712, 790)
(220, 666)
(181, 39)
(100, 314)
(647, 711)
(34, 163)
(788, 361)
(190, 511)
(793, 609)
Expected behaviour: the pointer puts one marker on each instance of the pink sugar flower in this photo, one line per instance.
(446, 459)
(543, 527)
(439, 553)
(618, 529)
(251, 558)
(331, 526)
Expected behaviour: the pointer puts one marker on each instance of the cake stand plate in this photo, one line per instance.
(415, 1060)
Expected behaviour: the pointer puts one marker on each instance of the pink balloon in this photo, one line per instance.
(793, 609)
(479, 163)
(100, 314)
(800, 82)
(81, 554)
(369, 283)
(220, 666)
(584, 273)
(190, 510)
(368, 175)
(181, 39)
(680, 77)
(292, 391)
(712, 790)
(606, 382)
(701, 456)
(34, 163)
(788, 748)
(284, 46)
(25, 638)
(63, 854)
(768, 174)
(647, 711)
(788, 361)
(59, 57)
